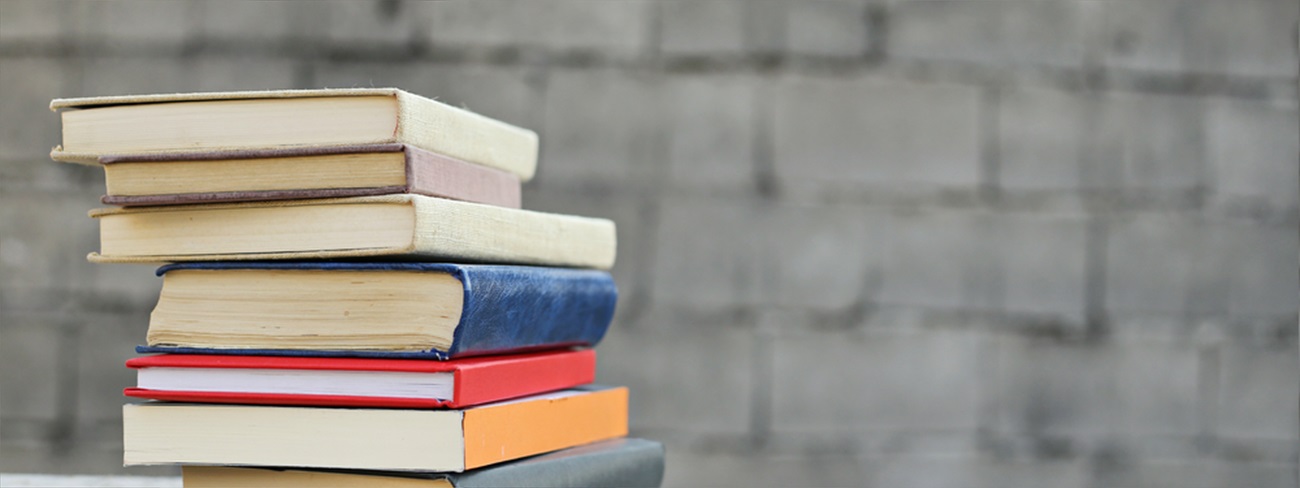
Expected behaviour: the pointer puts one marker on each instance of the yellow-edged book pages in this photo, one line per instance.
(218, 121)
(370, 438)
(394, 226)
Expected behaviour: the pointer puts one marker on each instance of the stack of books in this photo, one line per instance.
(354, 295)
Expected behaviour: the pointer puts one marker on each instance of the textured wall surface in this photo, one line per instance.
(862, 242)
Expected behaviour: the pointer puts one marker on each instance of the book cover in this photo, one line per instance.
(197, 122)
(298, 173)
(396, 226)
(248, 380)
(369, 438)
(618, 463)
(504, 308)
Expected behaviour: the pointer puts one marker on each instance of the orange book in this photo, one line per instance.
(375, 439)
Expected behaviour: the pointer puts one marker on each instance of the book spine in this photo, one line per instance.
(513, 308)
(436, 175)
(466, 135)
(505, 379)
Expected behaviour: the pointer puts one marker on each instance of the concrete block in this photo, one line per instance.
(1159, 141)
(929, 381)
(1162, 264)
(612, 28)
(106, 342)
(1257, 393)
(603, 125)
(1246, 38)
(45, 238)
(37, 21)
(706, 254)
(1254, 149)
(1262, 278)
(688, 378)
(1051, 140)
(827, 28)
(694, 28)
(30, 84)
(939, 259)
(136, 23)
(1197, 473)
(503, 93)
(998, 32)
(1042, 264)
(617, 28)
(249, 20)
(687, 466)
(351, 24)
(711, 130)
(973, 472)
(1091, 391)
(121, 76)
(818, 257)
(870, 132)
(1041, 139)
(31, 349)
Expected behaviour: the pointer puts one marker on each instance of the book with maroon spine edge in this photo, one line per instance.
(427, 173)
(477, 380)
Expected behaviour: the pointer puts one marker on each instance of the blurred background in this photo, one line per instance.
(969, 243)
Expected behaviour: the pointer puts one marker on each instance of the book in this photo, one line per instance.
(301, 173)
(200, 122)
(397, 226)
(618, 463)
(357, 382)
(432, 310)
(370, 438)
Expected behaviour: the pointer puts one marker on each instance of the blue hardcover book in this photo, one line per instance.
(414, 310)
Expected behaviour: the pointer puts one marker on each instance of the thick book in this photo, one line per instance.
(370, 438)
(396, 226)
(301, 173)
(618, 463)
(180, 123)
(430, 310)
(357, 382)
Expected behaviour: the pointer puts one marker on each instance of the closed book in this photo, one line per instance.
(301, 173)
(357, 382)
(415, 310)
(397, 226)
(370, 438)
(181, 123)
(618, 463)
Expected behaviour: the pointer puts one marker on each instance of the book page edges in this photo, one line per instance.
(466, 135)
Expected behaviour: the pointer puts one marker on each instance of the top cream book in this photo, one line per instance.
(183, 123)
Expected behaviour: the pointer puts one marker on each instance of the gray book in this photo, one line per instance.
(614, 463)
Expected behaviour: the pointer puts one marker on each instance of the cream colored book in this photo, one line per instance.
(394, 226)
(180, 123)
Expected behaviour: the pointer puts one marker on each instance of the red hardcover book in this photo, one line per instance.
(357, 382)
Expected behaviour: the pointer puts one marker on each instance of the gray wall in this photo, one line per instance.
(883, 243)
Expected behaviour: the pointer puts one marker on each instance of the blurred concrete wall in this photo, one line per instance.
(881, 243)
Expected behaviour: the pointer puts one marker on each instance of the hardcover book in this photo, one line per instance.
(368, 438)
(357, 382)
(398, 226)
(301, 173)
(618, 463)
(179, 123)
(430, 310)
